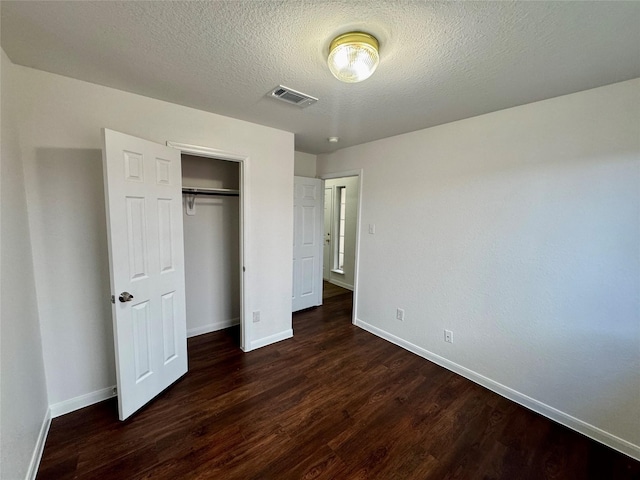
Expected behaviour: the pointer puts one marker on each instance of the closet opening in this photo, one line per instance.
(212, 220)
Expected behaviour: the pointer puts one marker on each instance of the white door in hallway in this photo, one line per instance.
(143, 190)
(307, 243)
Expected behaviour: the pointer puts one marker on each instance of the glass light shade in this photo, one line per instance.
(353, 57)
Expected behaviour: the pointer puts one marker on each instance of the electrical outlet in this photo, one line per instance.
(256, 316)
(400, 314)
(372, 228)
(448, 336)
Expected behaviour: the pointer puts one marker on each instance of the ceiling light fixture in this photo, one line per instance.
(333, 139)
(353, 56)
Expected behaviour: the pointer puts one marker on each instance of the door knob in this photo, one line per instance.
(125, 297)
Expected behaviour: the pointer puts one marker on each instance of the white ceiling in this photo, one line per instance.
(440, 61)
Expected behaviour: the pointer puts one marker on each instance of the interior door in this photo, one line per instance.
(307, 243)
(328, 211)
(143, 189)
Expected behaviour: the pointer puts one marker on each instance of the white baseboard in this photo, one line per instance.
(341, 284)
(82, 401)
(565, 419)
(263, 342)
(34, 464)
(212, 327)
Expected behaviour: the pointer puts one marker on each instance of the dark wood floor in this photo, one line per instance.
(334, 402)
(330, 290)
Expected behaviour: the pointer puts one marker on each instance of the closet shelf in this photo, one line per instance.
(226, 192)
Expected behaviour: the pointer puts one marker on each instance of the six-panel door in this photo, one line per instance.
(143, 189)
(307, 243)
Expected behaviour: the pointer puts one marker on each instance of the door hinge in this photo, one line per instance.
(113, 299)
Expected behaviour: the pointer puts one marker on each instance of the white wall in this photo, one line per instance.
(304, 165)
(59, 122)
(211, 240)
(23, 397)
(345, 279)
(519, 231)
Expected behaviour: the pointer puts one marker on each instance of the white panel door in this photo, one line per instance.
(143, 189)
(307, 243)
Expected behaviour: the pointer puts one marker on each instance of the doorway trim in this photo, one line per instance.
(243, 160)
(356, 271)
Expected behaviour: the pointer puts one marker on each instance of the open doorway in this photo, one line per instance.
(340, 228)
(341, 233)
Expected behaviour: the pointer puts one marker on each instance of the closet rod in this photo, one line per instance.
(226, 192)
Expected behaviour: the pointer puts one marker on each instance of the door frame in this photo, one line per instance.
(243, 160)
(356, 269)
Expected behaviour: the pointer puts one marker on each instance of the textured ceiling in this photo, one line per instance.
(440, 61)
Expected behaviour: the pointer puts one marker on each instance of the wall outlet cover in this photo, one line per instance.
(448, 336)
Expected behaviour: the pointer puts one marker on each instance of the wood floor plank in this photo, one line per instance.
(333, 402)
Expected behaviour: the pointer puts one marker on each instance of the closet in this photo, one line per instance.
(211, 218)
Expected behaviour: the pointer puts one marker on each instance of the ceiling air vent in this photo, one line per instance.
(288, 95)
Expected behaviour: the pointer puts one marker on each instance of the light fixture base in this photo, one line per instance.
(354, 37)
